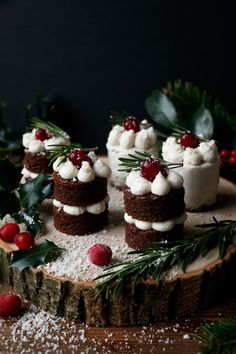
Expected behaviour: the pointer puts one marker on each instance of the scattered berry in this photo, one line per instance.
(78, 156)
(190, 140)
(10, 305)
(100, 254)
(233, 153)
(224, 154)
(232, 160)
(131, 123)
(150, 168)
(24, 240)
(41, 134)
(9, 231)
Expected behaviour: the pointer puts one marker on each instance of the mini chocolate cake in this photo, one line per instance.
(154, 205)
(80, 202)
(36, 144)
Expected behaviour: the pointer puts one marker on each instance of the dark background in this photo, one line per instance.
(98, 55)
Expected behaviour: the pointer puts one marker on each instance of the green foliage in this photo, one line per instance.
(30, 218)
(40, 254)
(219, 337)
(162, 257)
(49, 126)
(190, 107)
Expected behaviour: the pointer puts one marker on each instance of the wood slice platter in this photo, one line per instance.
(66, 287)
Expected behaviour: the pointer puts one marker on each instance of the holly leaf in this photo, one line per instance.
(10, 176)
(203, 122)
(160, 109)
(41, 254)
(9, 203)
(34, 191)
(31, 219)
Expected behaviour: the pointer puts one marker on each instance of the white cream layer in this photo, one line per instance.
(162, 226)
(26, 174)
(96, 208)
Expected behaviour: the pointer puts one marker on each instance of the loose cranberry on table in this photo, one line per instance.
(24, 240)
(10, 305)
(78, 156)
(100, 254)
(190, 140)
(232, 160)
(131, 123)
(41, 134)
(224, 154)
(9, 231)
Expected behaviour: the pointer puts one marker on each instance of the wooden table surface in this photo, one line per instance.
(52, 335)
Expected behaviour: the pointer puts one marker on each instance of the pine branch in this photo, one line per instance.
(178, 131)
(219, 337)
(64, 150)
(50, 127)
(133, 162)
(155, 261)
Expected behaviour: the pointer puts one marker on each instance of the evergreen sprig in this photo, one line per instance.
(118, 118)
(64, 150)
(153, 262)
(49, 126)
(133, 162)
(178, 131)
(219, 337)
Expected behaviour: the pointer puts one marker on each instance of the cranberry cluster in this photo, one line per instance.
(41, 134)
(78, 156)
(11, 233)
(228, 157)
(132, 123)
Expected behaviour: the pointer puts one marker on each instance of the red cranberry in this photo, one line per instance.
(100, 254)
(189, 140)
(41, 134)
(233, 153)
(232, 160)
(10, 305)
(78, 156)
(24, 240)
(224, 154)
(150, 168)
(9, 231)
(131, 123)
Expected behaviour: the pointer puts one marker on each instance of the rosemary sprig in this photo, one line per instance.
(219, 337)
(49, 126)
(133, 162)
(118, 117)
(155, 261)
(177, 131)
(64, 150)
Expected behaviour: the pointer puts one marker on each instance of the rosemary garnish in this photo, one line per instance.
(49, 126)
(64, 150)
(153, 262)
(133, 162)
(219, 337)
(178, 131)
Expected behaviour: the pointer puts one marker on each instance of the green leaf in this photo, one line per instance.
(9, 176)
(31, 219)
(34, 191)
(39, 255)
(9, 203)
(203, 123)
(160, 108)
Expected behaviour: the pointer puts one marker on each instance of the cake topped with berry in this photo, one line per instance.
(80, 192)
(200, 167)
(128, 135)
(44, 136)
(154, 204)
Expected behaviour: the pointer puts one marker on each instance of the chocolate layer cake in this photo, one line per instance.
(154, 205)
(37, 163)
(80, 204)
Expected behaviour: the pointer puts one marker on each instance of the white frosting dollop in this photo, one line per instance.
(57, 164)
(172, 151)
(142, 139)
(127, 139)
(92, 156)
(132, 176)
(175, 179)
(160, 185)
(101, 169)
(86, 172)
(36, 146)
(208, 151)
(55, 142)
(73, 210)
(192, 157)
(114, 135)
(97, 208)
(26, 139)
(141, 186)
(57, 204)
(67, 170)
(163, 226)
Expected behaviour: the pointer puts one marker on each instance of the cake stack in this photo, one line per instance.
(37, 143)
(154, 205)
(80, 204)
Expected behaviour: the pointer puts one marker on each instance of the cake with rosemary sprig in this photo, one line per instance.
(128, 134)
(42, 137)
(80, 201)
(200, 167)
(154, 201)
